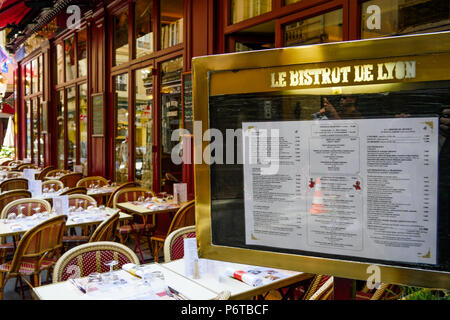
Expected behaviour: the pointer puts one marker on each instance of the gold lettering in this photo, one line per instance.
(359, 74)
(381, 74)
(336, 75)
(410, 69)
(345, 71)
(368, 76)
(326, 73)
(390, 69)
(294, 78)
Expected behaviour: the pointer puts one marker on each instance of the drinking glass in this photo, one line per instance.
(163, 195)
(45, 189)
(109, 276)
(141, 199)
(157, 281)
(52, 190)
(20, 208)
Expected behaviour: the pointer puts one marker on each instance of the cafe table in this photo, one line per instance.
(133, 289)
(149, 208)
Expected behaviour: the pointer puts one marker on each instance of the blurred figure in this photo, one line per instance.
(345, 110)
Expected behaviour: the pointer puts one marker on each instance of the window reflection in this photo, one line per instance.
(41, 73)
(144, 127)
(69, 49)
(143, 27)
(34, 76)
(320, 29)
(27, 79)
(83, 126)
(245, 9)
(60, 128)
(120, 41)
(121, 131)
(171, 27)
(71, 128)
(59, 63)
(35, 131)
(82, 53)
(28, 128)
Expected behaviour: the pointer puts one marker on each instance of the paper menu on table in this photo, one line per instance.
(78, 168)
(180, 192)
(35, 187)
(61, 204)
(191, 263)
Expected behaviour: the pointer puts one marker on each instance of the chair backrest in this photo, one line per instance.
(56, 173)
(320, 286)
(9, 196)
(6, 162)
(174, 243)
(131, 194)
(14, 174)
(76, 190)
(87, 258)
(14, 184)
(97, 180)
(70, 180)
(184, 217)
(130, 184)
(43, 240)
(55, 184)
(15, 163)
(106, 230)
(26, 206)
(44, 172)
(81, 200)
(27, 166)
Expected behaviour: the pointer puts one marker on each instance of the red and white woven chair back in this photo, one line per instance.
(174, 243)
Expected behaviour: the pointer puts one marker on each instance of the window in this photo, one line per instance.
(121, 127)
(143, 33)
(320, 29)
(28, 128)
(69, 50)
(59, 64)
(71, 127)
(83, 132)
(35, 130)
(245, 9)
(143, 172)
(120, 41)
(82, 53)
(381, 18)
(171, 27)
(34, 76)
(288, 2)
(60, 125)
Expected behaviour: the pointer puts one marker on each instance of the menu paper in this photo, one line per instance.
(29, 174)
(35, 187)
(191, 261)
(180, 192)
(364, 188)
(61, 204)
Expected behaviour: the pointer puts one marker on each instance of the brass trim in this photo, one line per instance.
(209, 67)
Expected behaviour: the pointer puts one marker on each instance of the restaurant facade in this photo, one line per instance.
(103, 86)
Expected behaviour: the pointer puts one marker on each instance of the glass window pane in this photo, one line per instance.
(41, 73)
(321, 29)
(380, 18)
(287, 2)
(171, 112)
(171, 23)
(41, 138)
(27, 79)
(120, 41)
(143, 27)
(34, 76)
(71, 127)
(59, 63)
(69, 49)
(35, 129)
(245, 9)
(60, 128)
(28, 128)
(83, 127)
(259, 37)
(144, 127)
(82, 53)
(121, 131)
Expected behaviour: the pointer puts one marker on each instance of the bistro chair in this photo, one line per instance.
(44, 172)
(385, 291)
(56, 173)
(76, 190)
(185, 216)
(81, 200)
(55, 184)
(38, 250)
(15, 164)
(96, 180)
(14, 174)
(27, 166)
(91, 257)
(130, 184)
(106, 231)
(6, 162)
(321, 288)
(70, 179)
(174, 243)
(27, 207)
(14, 184)
(140, 225)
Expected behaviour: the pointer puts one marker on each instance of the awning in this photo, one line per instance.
(12, 12)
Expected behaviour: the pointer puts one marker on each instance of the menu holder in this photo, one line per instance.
(35, 187)
(61, 204)
(180, 192)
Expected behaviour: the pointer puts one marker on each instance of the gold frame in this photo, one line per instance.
(423, 47)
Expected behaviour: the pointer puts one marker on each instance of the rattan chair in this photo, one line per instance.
(14, 174)
(26, 207)
(14, 184)
(56, 173)
(15, 164)
(184, 217)
(91, 257)
(38, 250)
(385, 291)
(97, 180)
(81, 200)
(27, 166)
(130, 184)
(140, 226)
(55, 184)
(71, 179)
(106, 231)
(321, 288)
(44, 172)
(174, 243)
(76, 190)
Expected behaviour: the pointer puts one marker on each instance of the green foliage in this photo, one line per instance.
(6, 152)
(416, 293)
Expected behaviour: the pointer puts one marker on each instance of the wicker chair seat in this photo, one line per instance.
(93, 261)
(136, 227)
(28, 265)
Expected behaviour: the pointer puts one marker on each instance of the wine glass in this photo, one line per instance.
(52, 190)
(110, 274)
(37, 210)
(45, 190)
(163, 195)
(141, 199)
(20, 208)
(157, 281)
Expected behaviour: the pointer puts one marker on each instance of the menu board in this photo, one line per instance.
(187, 102)
(364, 188)
(97, 114)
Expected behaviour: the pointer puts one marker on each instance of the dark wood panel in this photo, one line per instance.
(98, 156)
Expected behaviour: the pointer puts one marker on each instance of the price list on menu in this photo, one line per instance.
(365, 188)
(187, 102)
